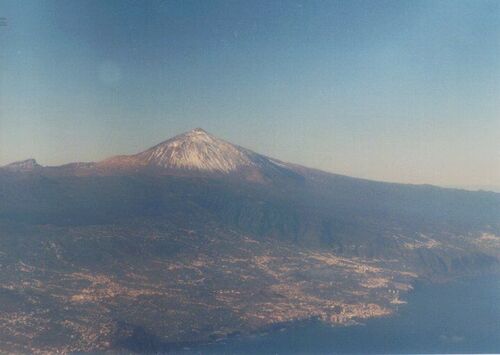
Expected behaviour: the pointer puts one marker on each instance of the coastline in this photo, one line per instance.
(293, 328)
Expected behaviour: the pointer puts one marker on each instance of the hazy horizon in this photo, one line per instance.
(394, 91)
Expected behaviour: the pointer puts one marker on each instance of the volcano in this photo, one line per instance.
(196, 239)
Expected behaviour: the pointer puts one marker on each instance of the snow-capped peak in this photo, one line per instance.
(197, 150)
(23, 165)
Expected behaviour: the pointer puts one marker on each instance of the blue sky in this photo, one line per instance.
(404, 91)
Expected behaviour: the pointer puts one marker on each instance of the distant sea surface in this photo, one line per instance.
(458, 317)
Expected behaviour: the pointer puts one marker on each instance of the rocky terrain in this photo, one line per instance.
(197, 239)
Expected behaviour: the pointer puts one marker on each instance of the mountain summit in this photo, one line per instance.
(23, 166)
(197, 151)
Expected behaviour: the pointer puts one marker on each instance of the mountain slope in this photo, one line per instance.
(247, 191)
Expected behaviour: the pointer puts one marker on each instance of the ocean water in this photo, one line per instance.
(458, 317)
